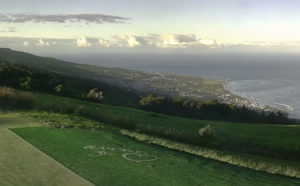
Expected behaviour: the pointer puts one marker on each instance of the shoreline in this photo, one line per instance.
(274, 105)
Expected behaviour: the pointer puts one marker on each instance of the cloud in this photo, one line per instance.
(43, 43)
(40, 43)
(83, 42)
(36, 42)
(182, 41)
(8, 29)
(48, 42)
(208, 42)
(165, 41)
(103, 42)
(205, 43)
(12, 29)
(127, 40)
(61, 18)
(148, 42)
(172, 40)
(266, 44)
(122, 40)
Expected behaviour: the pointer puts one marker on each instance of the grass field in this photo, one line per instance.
(277, 141)
(106, 158)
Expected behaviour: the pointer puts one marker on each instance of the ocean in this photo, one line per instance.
(271, 79)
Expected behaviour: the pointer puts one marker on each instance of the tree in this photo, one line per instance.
(207, 134)
(25, 82)
(94, 95)
(58, 88)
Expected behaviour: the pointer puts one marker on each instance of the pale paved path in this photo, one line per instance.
(22, 164)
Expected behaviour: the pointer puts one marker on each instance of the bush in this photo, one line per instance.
(94, 95)
(7, 98)
(207, 134)
(12, 100)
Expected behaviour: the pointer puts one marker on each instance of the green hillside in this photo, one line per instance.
(135, 82)
(126, 88)
(106, 158)
(65, 95)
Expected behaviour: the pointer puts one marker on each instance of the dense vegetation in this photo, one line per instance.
(254, 139)
(210, 110)
(131, 82)
(58, 92)
(38, 80)
(11, 99)
(202, 133)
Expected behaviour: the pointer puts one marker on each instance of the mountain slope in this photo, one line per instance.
(137, 82)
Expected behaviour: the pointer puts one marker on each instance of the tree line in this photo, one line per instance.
(211, 110)
(37, 80)
(57, 83)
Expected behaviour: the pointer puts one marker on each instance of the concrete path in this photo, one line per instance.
(22, 164)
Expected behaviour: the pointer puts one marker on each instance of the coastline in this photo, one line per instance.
(285, 108)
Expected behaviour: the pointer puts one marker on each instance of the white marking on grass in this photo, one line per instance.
(136, 157)
(131, 155)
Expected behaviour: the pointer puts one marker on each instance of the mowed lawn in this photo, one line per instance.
(108, 158)
(24, 165)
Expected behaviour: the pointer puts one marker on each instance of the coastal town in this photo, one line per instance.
(169, 85)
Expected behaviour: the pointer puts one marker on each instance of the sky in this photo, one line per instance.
(135, 26)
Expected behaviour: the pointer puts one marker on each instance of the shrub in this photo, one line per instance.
(94, 95)
(58, 88)
(207, 134)
(12, 100)
(6, 97)
(24, 100)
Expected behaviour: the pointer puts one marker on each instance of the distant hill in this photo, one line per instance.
(27, 59)
(137, 82)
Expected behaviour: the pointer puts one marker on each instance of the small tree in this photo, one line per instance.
(207, 134)
(58, 88)
(152, 103)
(25, 82)
(95, 95)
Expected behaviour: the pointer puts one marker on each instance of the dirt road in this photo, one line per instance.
(23, 164)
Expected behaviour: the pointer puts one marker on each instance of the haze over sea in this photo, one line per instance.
(271, 79)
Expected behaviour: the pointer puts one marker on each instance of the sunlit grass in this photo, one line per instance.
(270, 165)
(100, 157)
(253, 162)
(267, 140)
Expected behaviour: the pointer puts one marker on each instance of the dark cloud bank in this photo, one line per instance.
(61, 18)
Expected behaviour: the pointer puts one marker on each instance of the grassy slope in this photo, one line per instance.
(272, 140)
(36, 61)
(129, 81)
(67, 70)
(263, 139)
(184, 130)
(170, 167)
